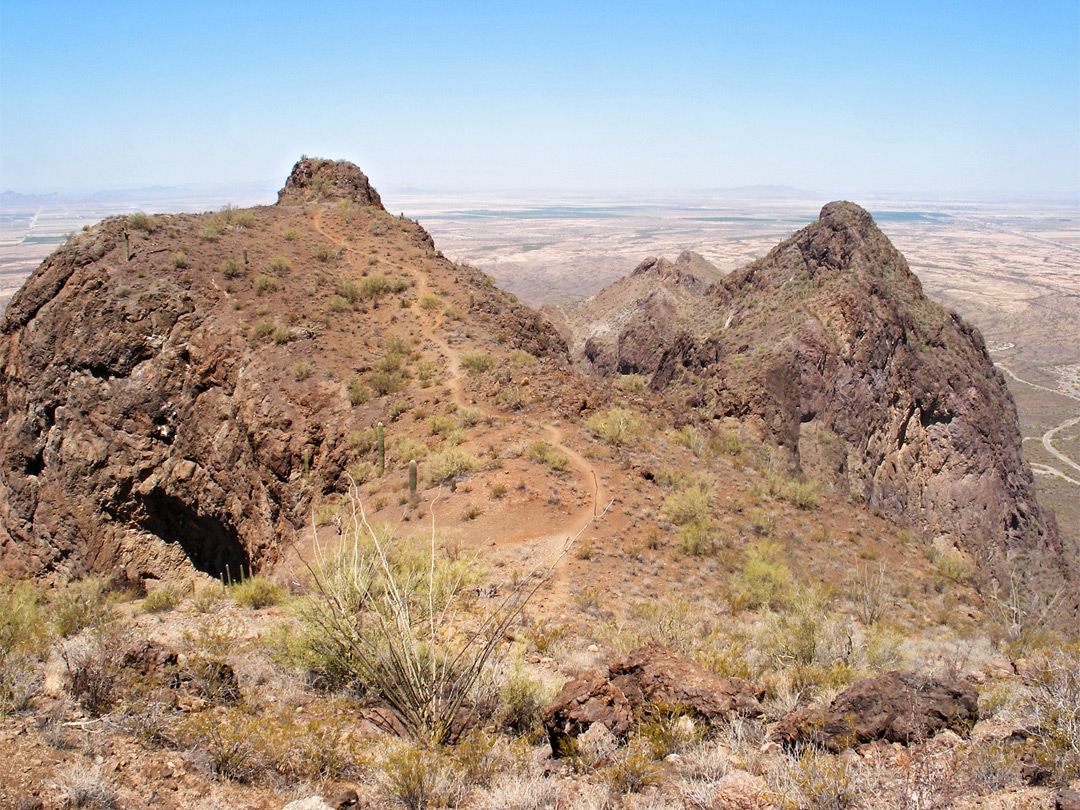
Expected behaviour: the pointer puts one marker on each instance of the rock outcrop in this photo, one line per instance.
(829, 350)
(898, 707)
(653, 675)
(173, 390)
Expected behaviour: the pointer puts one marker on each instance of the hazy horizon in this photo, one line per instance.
(850, 100)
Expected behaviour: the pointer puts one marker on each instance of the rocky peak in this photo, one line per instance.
(686, 271)
(319, 180)
(829, 350)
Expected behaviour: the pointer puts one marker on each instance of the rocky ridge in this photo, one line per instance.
(147, 422)
(829, 349)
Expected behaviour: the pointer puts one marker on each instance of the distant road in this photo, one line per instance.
(1047, 438)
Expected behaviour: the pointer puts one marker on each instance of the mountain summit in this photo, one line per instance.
(828, 347)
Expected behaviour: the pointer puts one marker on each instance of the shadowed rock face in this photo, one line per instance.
(144, 429)
(828, 347)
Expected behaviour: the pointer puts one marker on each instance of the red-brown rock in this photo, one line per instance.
(650, 676)
(901, 707)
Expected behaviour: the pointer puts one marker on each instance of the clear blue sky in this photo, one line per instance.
(852, 97)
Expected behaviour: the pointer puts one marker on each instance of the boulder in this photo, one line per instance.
(650, 676)
(901, 707)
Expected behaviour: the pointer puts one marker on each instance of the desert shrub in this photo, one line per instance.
(1056, 704)
(257, 592)
(349, 290)
(690, 505)
(361, 472)
(632, 770)
(79, 604)
(280, 265)
(242, 219)
(449, 463)
(467, 417)
(82, 785)
(205, 669)
(477, 362)
(231, 268)
(160, 600)
(141, 221)
(325, 253)
(764, 579)
(952, 566)
(302, 369)
(358, 392)
(290, 234)
(282, 334)
(406, 449)
(22, 618)
(374, 287)
(385, 381)
(361, 441)
(666, 729)
(213, 228)
(521, 701)
(21, 680)
(180, 260)
(544, 452)
(418, 777)
(632, 383)
(690, 437)
(399, 407)
(617, 426)
(511, 397)
(93, 663)
(815, 781)
(452, 313)
(520, 357)
(263, 283)
(430, 301)
(227, 742)
(440, 425)
(338, 303)
(386, 611)
(696, 539)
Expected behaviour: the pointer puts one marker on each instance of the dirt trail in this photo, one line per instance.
(546, 545)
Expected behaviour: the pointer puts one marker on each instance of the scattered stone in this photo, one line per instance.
(898, 707)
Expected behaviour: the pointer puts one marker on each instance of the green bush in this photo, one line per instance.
(291, 234)
(690, 505)
(764, 579)
(358, 392)
(477, 362)
(280, 265)
(79, 604)
(160, 600)
(141, 221)
(449, 463)
(257, 592)
(545, 453)
(263, 283)
(231, 268)
(616, 427)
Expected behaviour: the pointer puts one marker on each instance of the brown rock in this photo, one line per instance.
(650, 676)
(898, 707)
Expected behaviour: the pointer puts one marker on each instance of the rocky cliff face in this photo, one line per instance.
(152, 410)
(830, 349)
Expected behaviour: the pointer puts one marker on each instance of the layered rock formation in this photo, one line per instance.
(146, 422)
(830, 350)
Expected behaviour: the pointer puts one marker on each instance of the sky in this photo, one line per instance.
(946, 98)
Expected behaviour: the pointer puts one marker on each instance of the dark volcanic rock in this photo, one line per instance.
(829, 349)
(899, 707)
(314, 179)
(650, 676)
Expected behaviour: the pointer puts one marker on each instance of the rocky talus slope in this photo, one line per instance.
(151, 407)
(828, 347)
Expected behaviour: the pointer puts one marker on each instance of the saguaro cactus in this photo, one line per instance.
(412, 481)
(380, 445)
